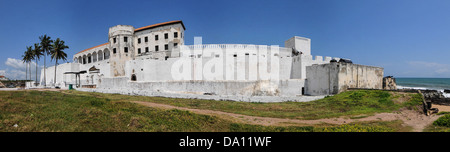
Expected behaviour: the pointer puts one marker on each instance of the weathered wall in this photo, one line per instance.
(121, 56)
(359, 76)
(334, 78)
(322, 79)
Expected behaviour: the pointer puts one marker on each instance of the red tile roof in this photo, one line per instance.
(160, 24)
(93, 47)
(143, 28)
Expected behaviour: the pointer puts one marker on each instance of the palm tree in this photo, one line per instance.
(26, 58)
(46, 44)
(30, 59)
(57, 53)
(37, 53)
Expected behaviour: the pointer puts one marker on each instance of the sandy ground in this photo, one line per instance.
(411, 118)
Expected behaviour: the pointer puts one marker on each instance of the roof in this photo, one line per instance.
(144, 28)
(93, 47)
(160, 24)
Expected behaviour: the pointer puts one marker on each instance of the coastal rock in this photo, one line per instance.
(432, 94)
(389, 83)
(447, 91)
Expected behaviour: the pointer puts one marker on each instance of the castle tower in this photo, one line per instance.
(300, 44)
(122, 48)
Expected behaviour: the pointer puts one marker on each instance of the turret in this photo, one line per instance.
(122, 48)
(300, 44)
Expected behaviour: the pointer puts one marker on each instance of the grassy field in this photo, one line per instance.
(84, 111)
(350, 103)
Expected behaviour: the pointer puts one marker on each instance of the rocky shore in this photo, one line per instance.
(433, 96)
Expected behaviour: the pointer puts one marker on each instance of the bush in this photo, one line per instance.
(443, 121)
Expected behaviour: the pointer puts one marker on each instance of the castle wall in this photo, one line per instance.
(238, 90)
(335, 77)
(299, 64)
(360, 76)
(61, 79)
(205, 65)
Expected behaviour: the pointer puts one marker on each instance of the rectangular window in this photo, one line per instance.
(125, 49)
(166, 35)
(146, 39)
(156, 37)
(139, 50)
(114, 50)
(175, 45)
(139, 40)
(166, 47)
(114, 40)
(125, 39)
(175, 35)
(156, 48)
(146, 49)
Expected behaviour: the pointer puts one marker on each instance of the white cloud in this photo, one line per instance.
(18, 71)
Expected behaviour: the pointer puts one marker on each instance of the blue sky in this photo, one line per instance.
(409, 38)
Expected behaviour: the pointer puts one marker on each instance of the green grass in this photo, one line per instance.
(91, 112)
(442, 124)
(42, 111)
(350, 103)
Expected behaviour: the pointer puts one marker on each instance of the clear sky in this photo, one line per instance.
(409, 38)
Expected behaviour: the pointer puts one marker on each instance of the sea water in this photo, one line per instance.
(425, 83)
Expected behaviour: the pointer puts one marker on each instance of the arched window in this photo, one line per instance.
(84, 59)
(89, 58)
(133, 77)
(100, 55)
(94, 57)
(106, 54)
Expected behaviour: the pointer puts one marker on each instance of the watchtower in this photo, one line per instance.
(121, 44)
(300, 44)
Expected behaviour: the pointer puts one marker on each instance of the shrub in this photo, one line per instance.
(443, 121)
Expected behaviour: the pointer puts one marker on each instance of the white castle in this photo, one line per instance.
(154, 61)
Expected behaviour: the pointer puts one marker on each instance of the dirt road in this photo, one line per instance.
(410, 118)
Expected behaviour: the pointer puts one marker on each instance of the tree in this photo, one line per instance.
(37, 53)
(46, 47)
(26, 58)
(57, 53)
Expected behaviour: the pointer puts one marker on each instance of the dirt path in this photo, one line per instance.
(410, 118)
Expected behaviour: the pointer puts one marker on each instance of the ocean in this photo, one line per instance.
(425, 83)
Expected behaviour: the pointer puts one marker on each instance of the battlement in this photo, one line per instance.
(315, 60)
(121, 30)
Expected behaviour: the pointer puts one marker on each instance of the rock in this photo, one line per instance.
(447, 91)
(432, 94)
